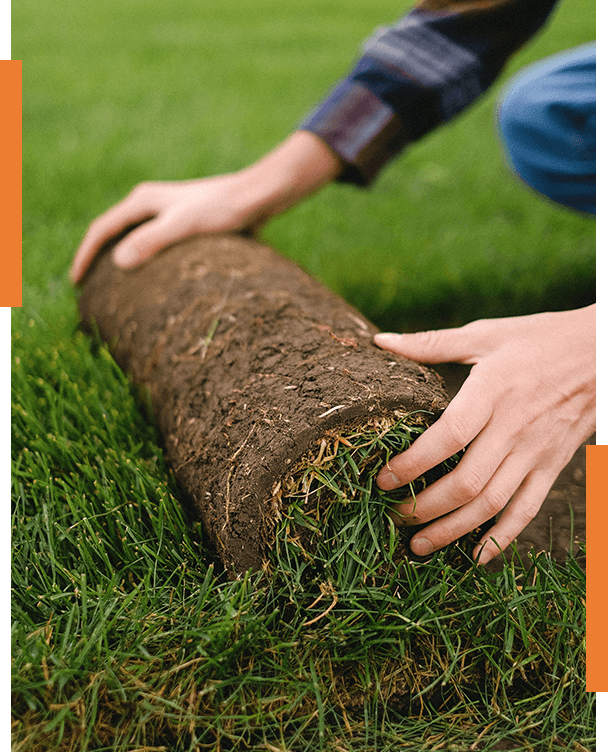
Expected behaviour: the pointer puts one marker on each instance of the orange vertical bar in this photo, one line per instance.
(10, 182)
(597, 570)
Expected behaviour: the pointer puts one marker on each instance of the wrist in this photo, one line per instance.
(298, 167)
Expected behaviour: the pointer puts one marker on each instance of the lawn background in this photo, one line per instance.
(116, 93)
(108, 594)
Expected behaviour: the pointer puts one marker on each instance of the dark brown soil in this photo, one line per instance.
(249, 362)
(560, 524)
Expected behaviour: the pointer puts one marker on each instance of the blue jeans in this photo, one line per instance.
(546, 120)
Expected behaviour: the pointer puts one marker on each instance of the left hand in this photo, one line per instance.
(526, 406)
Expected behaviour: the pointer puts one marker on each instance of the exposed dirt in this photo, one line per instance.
(560, 523)
(249, 362)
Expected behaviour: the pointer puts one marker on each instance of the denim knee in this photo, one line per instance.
(546, 121)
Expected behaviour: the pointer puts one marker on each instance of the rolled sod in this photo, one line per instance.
(252, 367)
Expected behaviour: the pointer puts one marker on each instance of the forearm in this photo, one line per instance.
(295, 169)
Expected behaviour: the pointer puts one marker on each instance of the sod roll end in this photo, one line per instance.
(250, 364)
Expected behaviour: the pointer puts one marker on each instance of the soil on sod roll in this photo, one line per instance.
(249, 362)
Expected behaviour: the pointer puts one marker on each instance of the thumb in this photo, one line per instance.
(438, 346)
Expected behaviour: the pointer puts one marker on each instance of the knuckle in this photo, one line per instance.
(495, 500)
(529, 509)
(468, 485)
(457, 429)
(143, 187)
(415, 468)
(527, 514)
(479, 326)
(142, 190)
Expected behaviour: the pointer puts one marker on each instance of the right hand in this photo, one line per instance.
(235, 202)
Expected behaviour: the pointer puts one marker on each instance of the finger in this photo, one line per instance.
(495, 496)
(462, 421)
(148, 239)
(458, 345)
(520, 511)
(466, 482)
(130, 211)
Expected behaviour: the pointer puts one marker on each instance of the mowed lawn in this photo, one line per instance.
(125, 636)
(117, 93)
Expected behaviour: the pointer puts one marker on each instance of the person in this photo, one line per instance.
(529, 400)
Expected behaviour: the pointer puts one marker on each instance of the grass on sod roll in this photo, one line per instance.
(127, 637)
(330, 519)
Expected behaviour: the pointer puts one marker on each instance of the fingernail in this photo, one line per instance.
(421, 546)
(387, 480)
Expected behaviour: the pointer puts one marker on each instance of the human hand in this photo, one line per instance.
(169, 212)
(166, 212)
(526, 406)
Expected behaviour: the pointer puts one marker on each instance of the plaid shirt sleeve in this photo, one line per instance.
(420, 73)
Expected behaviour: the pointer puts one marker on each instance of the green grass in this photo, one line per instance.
(126, 635)
(118, 93)
(330, 521)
